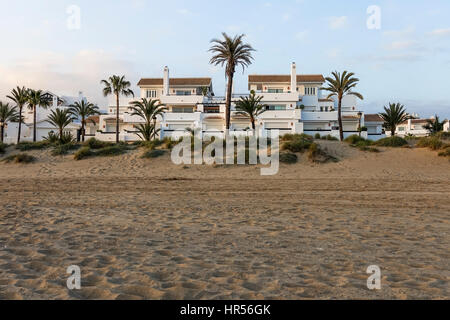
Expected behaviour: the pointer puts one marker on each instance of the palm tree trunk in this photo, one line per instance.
(82, 130)
(341, 129)
(19, 131)
(393, 128)
(228, 101)
(117, 118)
(154, 129)
(2, 129)
(34, 123)
(61, 135)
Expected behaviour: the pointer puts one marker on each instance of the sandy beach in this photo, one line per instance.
(148, 229)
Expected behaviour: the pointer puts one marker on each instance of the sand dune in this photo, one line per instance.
(147, 229)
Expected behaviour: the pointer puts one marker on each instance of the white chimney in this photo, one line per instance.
(293, 77)
(166, 81)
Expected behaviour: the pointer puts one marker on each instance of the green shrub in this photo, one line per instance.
(288, 157)
(369, 149)
(434, 143)
(20, 158)
(3, 147)
(299, 143)
(27, 146)
(113, 150)
(317, 136)
(443, 135)
(331, 138)
(97, 144)
(62, 149)
(355, 139)
(83, 153)
(391, 142)
(66, 138)
(153, 154)
(317, 155)
(446, 152)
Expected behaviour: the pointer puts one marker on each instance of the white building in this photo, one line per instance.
(413, 127)
(42, 126)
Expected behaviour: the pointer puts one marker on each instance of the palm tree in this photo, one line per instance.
(341, 85)
(36, 99)
(83, 110)
(20, 97)
(7, 114)
(434, 125)
(146, 131)
(231, 52)
(393, 116)
(60, 118)
(148, 110)
(118, 86)
(251, 106)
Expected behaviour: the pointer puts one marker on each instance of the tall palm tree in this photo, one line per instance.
(251, 106)
(148, 110)
(231, 52)
(20, 97)
(36, 98)
(118, 86)
(83, 110)
(393, 116)
(60, 118)
(434, 125)
(341, 85)
(7, 114)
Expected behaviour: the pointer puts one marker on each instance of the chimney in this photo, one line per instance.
(166, 81)
(293, 77)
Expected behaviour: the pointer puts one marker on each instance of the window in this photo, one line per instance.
(272, 90)
(151, 93)
(183, 92)
(276, 107)
(182, 110)
(401, 128)
(310, 91)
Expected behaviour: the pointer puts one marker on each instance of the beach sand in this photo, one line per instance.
(148, 229)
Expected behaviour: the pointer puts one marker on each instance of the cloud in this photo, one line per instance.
(286, 17)
(184, 12)
(337, 22)
(64, 74)
(400, 33)
(301, 35)
(402, 45)
(440, 32)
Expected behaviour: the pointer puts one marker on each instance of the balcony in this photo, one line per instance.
(174, 116)
(281, 114)
(319, 116)
(174, 100)
(279, 97)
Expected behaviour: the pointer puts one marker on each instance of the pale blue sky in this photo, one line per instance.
(407, 60)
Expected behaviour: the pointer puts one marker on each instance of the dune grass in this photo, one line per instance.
(394, 142)
(296, 143)
(317, 155)
(20, 158)
(288, 157)
(63, 149)
(433, 143)
(3, 147)
(151, 154)
(27, 146)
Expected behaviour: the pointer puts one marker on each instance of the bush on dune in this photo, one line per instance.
(62, 149)
(434, 143)
(443, 135)
(27, 146)
(153, 154)
(288, 158)
(83, 153)
(445, 152)
(391, 142)
(297, 143)
(113, 150)
(317, 155)
(97, 144)
(20, 158)
(3, 148)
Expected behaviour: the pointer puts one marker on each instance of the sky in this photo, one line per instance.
(403, 56)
